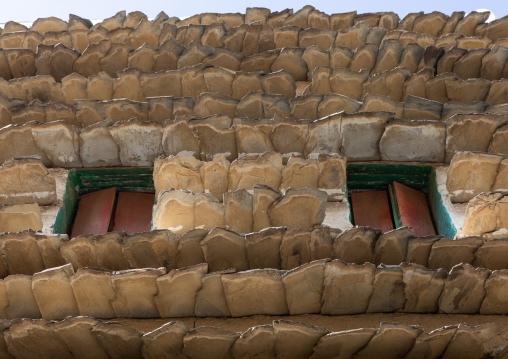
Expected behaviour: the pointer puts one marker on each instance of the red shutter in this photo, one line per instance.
(413, 210)
(372, 209)
(133, 212)
(94, 212)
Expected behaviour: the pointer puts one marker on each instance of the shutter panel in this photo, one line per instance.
(94, 212)
(372, 209)
(133, 212)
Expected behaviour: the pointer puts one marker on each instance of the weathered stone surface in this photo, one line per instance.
(20, 253)
(164, 342)
(28, 338)
(53, 292)
(413, 141)
(295, 248)
(263, 247)
(298, 208)
(21, 62)
(495, 301)
(470, 341)
(49, 246)
(215, 141)
(178, 139)
(100, 86)
(118, 339)
(499, 141)
(324, 135)
(391, 247)
(464, 290)
(21, 299)
(97, 147)
(189, 248)
(364, 57)
(300, 173)
(356, 245)
(433, 344)
(258, 291)
(60, 142)
(19, 217)
(418, 108)
(252, 136)
(481, 217)
(347, 287)
(224, 249)
(214, 175)
(289, 137)
(139, 142)
(471, 173)
(80, 252)
(333, 103)
(209, 342)
(26, 181)
(304, 288)
(418, 249)
(265, 169)
(349, 36)
(423, 287)
(389, 83)
(211, 300)
(290, 59)
(109, 251)
(305, 107)
(492, 255)
(388, 295)
(447, 253)
(94, 292)
(257, 341)
(392, 339)
(134, 293)
(294, 339)
(342, 344)
(178, 172)
(152, 249)
(361, 134)
(186, 282)
(175, 211)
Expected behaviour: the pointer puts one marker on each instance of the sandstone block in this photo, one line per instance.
(164, 342)
(418, 249)
(21, 299)
(356, 245)
(80, 252)
(178, 138)
(118, 339)
(494, 301)
(109, 251)
(258, 291)
(94, 292)
(417, 108)
(257, 341)
(423, 287)
(238, 211)
(432, 344)
(481, 216)
(300, 173)
(152, 249)
(447, 253)
(464, 289)
(391, 247)
(294, 339)
(214, 141)
(265, 169)
(60, 142)
(295, 248)
(211, 300)
(349, 36)
(263, 247)
(180, 172)
(364, 57)
(97, 147)
(49, 246)
(178, 290)
(388, 294)
(347, 287)
(19, 217)
(21, 254)
(169, 204)
(342, 344)
(470, 340)
(209, 342)
(325, 135)
(290, 59)
(224, 249)
(189, 248)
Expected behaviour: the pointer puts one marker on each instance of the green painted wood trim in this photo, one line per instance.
(442, 220)
(380, 176)
(65, 215)
(397, 221)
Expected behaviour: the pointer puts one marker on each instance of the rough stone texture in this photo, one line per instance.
(481, 215)
(19, 217)
(26, 181)
(21, 299)
(211, 300)
(495, 300)
(470, 340)
(347, 287)
(238, 211)
(97, 147)
(134, 293)
(298, 208)
(257, 341)
(304, 288)
(214, 175)
(175, 211)
(433, 344)
(180, 172)
(356, 245)
(164, 342)
(186, 282)
(53, 292)
(471, 132)
(388, 295)
(394, 340)
(258, 291)
(492, 255)
(423, 287)
(209, 342)
(139, 142)
(250, 170)
(418, 249)
(20, 253)
(342, 344)
(154, 249)
(421, 141)
(294, 339)
(300, 173)
(391, 247)
(263, 248)
(471, 173)
(446, 252)
(224, 249)
(295, 248)
(118, 339)
(361, 134)
(94, 292)
(464, 290)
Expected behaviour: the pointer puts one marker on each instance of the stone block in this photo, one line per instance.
(53, 292)
(364, 57)
(356, 245)
(214, 175)
(152, 249)
(288, 137)
(391, 247)
(423, 287)
(411, 141)
(189, 248)
(80, 252)
(300, 173)
(495, 301)
(118, 339)
(418, 249)
(252, 136)
(305, 107)
(215, 142)
(464, 290)
(418, 108)
(388, 294)
(165, 341)
(304, 288)
(347, 287)
(209, 342)
(20, 297)
(343, 344)
(324, 135)
(19, 217)
(295, 340)
(49, 246)
(481, 216)
(447, 253)
(499, 141)
(250, 170)
(20, 253)
(295, 248)
(179, 139)
(263, 247)
(224, 249)
(290, 59)
(349, 36)
(492, 255)
(169, 204)
(211, 300)
(94, 292)
(97, 147)
(432, 344)
(256, 341)
(109, 251)
(186, 282)
(178, 172)
(238, 211)
(470, 340)
(258, 291)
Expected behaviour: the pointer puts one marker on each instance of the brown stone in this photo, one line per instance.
(294, 339)
(165, 341)
(209, 342)
(388, 295)
(238, 211)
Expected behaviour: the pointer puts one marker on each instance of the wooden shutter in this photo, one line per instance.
(372, 209)
(410, 208)
(94, 212)
(133, 212)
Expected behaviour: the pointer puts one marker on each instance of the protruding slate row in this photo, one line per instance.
(81, 337)
(326, 172)
(26, 180)
(399, 83)
(471, 173)
(181, 211)
(29, 252)
(323, 286)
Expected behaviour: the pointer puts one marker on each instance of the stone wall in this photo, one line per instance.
(323, 286)
(26, 338)
(28, 252)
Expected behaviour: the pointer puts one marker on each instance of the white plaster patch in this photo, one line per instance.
(337, 215)
(456, 211)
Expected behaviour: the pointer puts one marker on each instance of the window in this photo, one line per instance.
(97, 201)
(388, 196)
